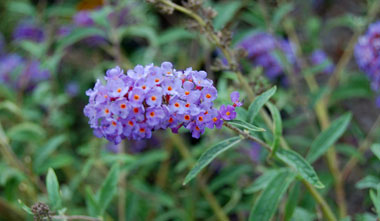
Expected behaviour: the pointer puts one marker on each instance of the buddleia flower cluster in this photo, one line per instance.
(367, 54)
(261, 48)
(150, 98)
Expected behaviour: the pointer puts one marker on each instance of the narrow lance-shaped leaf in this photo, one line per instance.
(109, 188)
(375, 148)
(376, 200)
(277, 130)
(244, 125)
(262, 181)
(52, 187)
(328, 137)
(24, 207)
(259, 102)
(267, 204)
(297, 162)
(209, 155)
(292, 201)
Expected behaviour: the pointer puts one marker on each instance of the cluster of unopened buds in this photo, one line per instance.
(150, 98)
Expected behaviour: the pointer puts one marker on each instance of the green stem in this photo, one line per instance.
(184, 151)
(362, 148)
(325, 207)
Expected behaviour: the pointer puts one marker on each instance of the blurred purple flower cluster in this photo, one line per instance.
(367, 54)
(19, 73)
(261, 48)
(27, 30)
(85, 18)
(319, 57)
(149, 98)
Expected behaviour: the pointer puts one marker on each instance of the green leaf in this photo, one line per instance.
(21, 8)
(108, 189)
(375, 148)
(292, 201)
(52, 187)
(267, 204)
(263, 181)
(259, 102)
(26, 132)
(277, 130)
(246, 126)
(367, 182)
(280, 13)
(24, 207)
(226, 11)
(376, 199)
(174, 34)
(45, 151)
(209, 155)
(298, 163)
(328, 137)
(91, 203)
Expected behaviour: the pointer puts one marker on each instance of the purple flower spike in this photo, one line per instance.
(367, 54)
(28, 31)
(150, 98)
(319, 57)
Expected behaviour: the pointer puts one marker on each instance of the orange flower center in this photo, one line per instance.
(176, 104)
(187, 117)
(169, 72)
(152, 114)
(118, 90)
(106, 110)
(171, 120)
(208, 96)
(136, 110)
(187, 92)
(142, 130)
(143, 87)
(187, 105)
(105, 96)
(136, 97)
(228, 113)
(130, 123)
(200, 118)
(153, 98)
(123, 106)
(114, 123)
(197, 128)
(214, 119)
(157, 80)
(170, 88)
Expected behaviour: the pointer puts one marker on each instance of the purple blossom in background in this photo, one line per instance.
(319, 57)
(72, 89)
(261, 48)
(149, 98)
(19, 73)
(83, 19)
(367, 54)
(28, 31)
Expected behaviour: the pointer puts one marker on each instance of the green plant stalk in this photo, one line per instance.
(185, 153)
(362, 148)
(325, 207)
(323, 119)
(246, 87)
